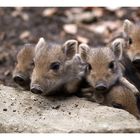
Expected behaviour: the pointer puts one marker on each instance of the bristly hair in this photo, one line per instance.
(136, 34)
(102, 54)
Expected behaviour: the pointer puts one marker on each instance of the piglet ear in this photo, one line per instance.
(128, 26)
(84, 51)
(70, 48)
(40, 44)
(117, 47)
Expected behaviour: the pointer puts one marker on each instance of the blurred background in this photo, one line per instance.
(92, 25)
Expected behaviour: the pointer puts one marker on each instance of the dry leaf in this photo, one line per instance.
(98, 12)
(25, 16)
(82, 39)
(112, 8)
(24, 35)
(100, 29)
(70, 28)
(49, 12)
(6, 73)
(2, 35)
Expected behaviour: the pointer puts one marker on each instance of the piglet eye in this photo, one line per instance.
(130, 40)
(32, 63)
(55, 66)
(111, 65)
(116, 105)
(88, 67)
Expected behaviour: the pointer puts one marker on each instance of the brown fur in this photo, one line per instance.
(24, 64)
(132, 31)
(117, 93)
(99, 59)
(64, 79)
(121, 97)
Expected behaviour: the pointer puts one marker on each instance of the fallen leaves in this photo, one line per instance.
(19, 12)
(81, 17)
(82, 39)
(70, 28)
(48, 12)
(3, 56)
(2, 36)
(25, 35)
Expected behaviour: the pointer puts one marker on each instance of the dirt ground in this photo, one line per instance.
(95, 26)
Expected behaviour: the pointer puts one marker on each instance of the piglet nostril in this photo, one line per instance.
(36, 89)
(19, 79)
(101, 87)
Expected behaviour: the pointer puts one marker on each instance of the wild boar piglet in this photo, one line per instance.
(104, 69)
(104, 74)
(57, 68)
(131, 33)
(122, 98)
(24, 66)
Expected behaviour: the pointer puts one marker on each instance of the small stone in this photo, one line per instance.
(12, 104)
(30, 107)
(33, 98)
(4, 109)
(13, 98)
(56, 107)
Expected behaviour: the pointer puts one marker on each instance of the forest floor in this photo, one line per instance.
(95, 26)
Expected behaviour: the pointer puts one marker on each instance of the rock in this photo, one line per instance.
(59, 114)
